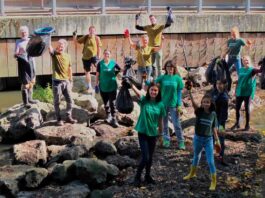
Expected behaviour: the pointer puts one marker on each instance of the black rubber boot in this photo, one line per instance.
(137, 178)
(25, 98)
(31, 101)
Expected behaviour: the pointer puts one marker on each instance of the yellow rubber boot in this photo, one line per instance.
(191, 174)
(213, 182)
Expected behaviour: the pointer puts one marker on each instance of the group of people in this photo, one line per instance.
(163, 92)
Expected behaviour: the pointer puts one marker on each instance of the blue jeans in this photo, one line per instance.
(233, 60)
(199, 143)
(147, 145)
(144, 70)
(176, 123)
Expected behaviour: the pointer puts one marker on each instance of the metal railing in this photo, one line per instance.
(103, 6)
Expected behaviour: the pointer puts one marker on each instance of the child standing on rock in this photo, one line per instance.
(151, 115)
(61, 80)
(205, 127)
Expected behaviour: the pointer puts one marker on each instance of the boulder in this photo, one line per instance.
(76, 134)
(108, 192)
(54, 150)
(70, 152)
(128, 146)
(87, 102)
(6, 155)
(121, 161)
(17, 177)
(31, 152)
(104, 148)
(92, 171)
(130, 119)
(73, 189)
(197, 76)
(18, 123)
(80, 114)
(105, 131)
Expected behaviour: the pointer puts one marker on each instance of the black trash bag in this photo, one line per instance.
(124, 102)
(130, 73)
(169, 16)
(262, 76)
(37, 45)
(217, 70)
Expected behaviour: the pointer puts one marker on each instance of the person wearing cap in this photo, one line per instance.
(171, 86)
(26, 67)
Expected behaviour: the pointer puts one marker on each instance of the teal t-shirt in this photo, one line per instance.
(205, 123)
(235, 46)
(246, 82)
(107, 77)
(151, 112)
(169, 85)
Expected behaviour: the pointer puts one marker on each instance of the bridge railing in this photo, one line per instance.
(54, 7)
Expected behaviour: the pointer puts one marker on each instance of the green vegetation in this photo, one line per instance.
(43, 94)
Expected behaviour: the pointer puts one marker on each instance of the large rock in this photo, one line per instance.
(80, 114)
(75, 189)
(246, 136)
(17, 177)
(197, 76)
(76, 134)
(54, 150)
(104, 148)
(121, 161)
(70, 152)
(130, 119)
(128, 146)
(87, 102)
(18, 123)
(105, 131)
(31, 152)
(92, 171)
(6, 155)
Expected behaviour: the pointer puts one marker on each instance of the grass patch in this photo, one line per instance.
(43, 94)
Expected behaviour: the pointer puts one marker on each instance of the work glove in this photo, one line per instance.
(137, 16)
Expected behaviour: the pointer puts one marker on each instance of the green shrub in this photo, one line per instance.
(43, 94)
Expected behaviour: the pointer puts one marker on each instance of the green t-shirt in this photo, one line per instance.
(150, 114)
(107, 77)
(235, 46)
(154, 33)
(60, 65)
(205, 123)
(169, 85)
(90, 48)
(246, 82)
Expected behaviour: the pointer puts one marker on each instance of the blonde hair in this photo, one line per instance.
(248, 57)
(236, 31)
(24, 29)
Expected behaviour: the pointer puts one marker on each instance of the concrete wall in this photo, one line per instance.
(115, 24)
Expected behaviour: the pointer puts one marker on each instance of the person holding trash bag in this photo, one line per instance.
(205, 128)
(152, 111)
(26, 67)
(61, 80)
(91, 52)
(106, 84)
(245, 90)
(171, 86)
(144, 55)
(154, 32)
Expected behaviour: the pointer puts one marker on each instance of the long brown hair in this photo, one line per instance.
(170, 63)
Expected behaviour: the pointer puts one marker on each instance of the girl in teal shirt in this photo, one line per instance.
(152, 111)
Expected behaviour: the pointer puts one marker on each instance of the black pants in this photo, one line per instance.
(147, 145)
(109, 100)
(26, 70)
(239, 100)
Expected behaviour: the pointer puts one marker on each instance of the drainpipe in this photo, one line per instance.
(149, 6)
(54, 8)
(2, 7)
(103, 7)
(247, 6)
(199, 6)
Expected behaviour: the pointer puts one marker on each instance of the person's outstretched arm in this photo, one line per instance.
(137, 92)
(194, 104)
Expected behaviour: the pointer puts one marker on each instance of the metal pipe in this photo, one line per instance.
(2, 7)
(149, 6)
(54, 8)
(199, 6)
(248, 6)
(103, 8)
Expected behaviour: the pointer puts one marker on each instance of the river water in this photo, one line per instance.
(8, 99)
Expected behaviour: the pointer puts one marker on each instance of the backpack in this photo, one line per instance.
(217, 70)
